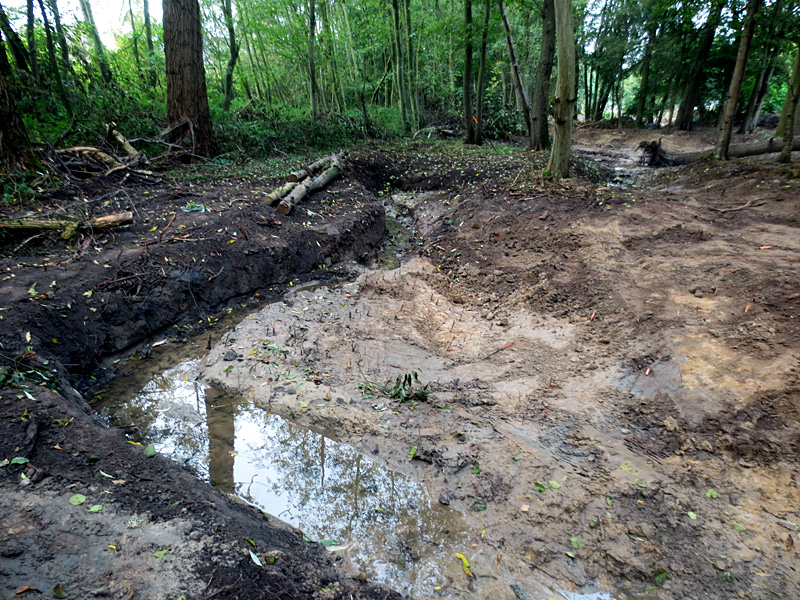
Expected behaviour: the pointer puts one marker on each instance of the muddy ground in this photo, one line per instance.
(611, 372)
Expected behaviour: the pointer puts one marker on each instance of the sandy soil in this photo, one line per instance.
(612, 374)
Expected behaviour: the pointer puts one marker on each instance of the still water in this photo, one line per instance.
(392, 531)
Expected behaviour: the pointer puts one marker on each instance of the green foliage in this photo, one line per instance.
(406, 388)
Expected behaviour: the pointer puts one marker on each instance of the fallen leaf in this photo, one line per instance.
(712, 493)
(525, 508)
(412, 453)
(464, 564)
(692, 515)
(150, 451)
(19, 460)
(576, 542)
(626, 467)
(554, 484)
(25, 589)
(161, 553)
(255, 559)
(251, 542)
(59, 591)
(77, 499)
(96, 508)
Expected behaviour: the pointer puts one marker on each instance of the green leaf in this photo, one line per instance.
(254, 558)
(608, 500)
(571, 554)
(576, 542)
(150, 451)
(739, 527)
(251, 542)
(19, 460)
(554, 484)
(476, 470)
(660, 577)
(77, 499)
(626, 467)
(692, 515)
(539, 486)
(104, 474)
(329, 542)
(303, 404)
(640, 482)
(712, 493)
(479, 506)
(59, 591)
(412, 453)
(95, 508)
(161, 553)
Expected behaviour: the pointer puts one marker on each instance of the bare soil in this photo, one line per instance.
(612, 373)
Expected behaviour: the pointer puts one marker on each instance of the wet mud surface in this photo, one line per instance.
(612, 379)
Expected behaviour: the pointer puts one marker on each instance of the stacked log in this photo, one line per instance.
(302, 183)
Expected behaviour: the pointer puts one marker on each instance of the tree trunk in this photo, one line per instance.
(227, 11)
(697, 71)
(309, 185)
(724, 139)
(14, 143)
(105, 70)
(648, 54)
(187, 100)
(564, 99)
(515, 73)
(34, 61)
(792, 97)
(469, 126)
(399, 68)
(18, 51)
(51, 54)
(135, 39)
(540, 135)
(770, 146)
(482, 73)
(151, 55)
(312, 69)
(413, 99)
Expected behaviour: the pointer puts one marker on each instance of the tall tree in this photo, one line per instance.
(227, 11)
(516, 74)
(312, 68)
(31, 32)
(645, 73)
(469, 126)
(696, 75)
(100, 49)
(399, 67)
(51, 55)
(148, 33)
(482, 72)
(187, 99)
(789, 110)
(14, 143)
(724, 139)
(564, 100)
(18, 51)
(540, 136)
(61, 37)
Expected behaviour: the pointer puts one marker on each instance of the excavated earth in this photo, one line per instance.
(613, 400)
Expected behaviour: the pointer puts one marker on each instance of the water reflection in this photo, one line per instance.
(393, 531)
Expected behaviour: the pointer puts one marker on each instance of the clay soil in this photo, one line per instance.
(612, 372)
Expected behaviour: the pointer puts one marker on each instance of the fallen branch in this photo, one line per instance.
(748, 204)
(769, 146)
(69, 227)
(310, 185)
(311, 169)
(280, 192)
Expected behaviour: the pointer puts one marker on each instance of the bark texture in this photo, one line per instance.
(14, 143)
(187, 98)
(540, 136)
(792, 98)
(564, 100)
(724, 139)
(469, 126)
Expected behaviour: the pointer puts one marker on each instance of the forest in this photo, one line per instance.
(400, 299)
(281, 76)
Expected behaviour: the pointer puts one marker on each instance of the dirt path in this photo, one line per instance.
(612, 375)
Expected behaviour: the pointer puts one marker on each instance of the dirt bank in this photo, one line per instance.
(194, 252)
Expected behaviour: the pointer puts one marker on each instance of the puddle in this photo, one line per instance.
(393, 532)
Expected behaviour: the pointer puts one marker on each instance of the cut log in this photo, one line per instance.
(315, 167)
(309, 185)
(112, 132)
(278, 193)
(769, 146)
(67, 227)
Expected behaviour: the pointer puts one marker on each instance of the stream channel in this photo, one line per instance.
(383, 522)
